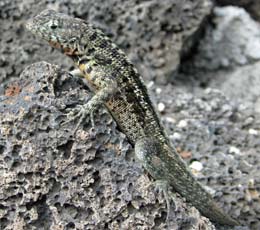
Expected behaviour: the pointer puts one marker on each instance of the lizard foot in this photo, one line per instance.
(80, 113)
(163, 186)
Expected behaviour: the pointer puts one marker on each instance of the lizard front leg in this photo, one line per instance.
(107, 86)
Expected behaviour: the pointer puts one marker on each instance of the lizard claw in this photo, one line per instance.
(80, 113)
(162, 186)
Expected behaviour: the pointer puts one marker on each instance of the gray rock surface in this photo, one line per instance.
(151, 32)
(52, 178)
(252, 6)
(233, 39)
(224, 138)
(241, 85)
(228, 58)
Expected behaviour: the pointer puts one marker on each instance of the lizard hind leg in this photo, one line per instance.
(146, 152)
(164, 187)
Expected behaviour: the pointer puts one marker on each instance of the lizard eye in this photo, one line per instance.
(53, 26)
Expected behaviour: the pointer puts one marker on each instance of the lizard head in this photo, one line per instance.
(60, 30)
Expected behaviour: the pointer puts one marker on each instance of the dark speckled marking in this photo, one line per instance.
(93, 36)
(83, 60)
(89, 51)
(104, 44)
(124, 62)
(101, 60)
(115, 53)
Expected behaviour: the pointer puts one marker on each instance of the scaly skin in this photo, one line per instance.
(118, 85)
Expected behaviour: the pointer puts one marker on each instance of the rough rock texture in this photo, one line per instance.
(223, 138)
(151, 32)
(53, 179)
(252, 6)
(241, 85)
(233, 39)
(228, 58)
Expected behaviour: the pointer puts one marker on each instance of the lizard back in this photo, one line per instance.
(130, 106)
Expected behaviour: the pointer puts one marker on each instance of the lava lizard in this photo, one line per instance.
(119, 86)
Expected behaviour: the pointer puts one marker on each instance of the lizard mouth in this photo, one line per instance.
(69, 51)
(55, 45)
(66, 50)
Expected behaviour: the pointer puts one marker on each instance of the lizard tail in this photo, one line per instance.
(164, 163)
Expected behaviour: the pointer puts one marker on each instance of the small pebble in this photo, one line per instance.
(150, 84)
(249, 121)
(210, 190)
(235, 150)
(170, 120)
(175, 136)
(158, 90)
(182, 124)
(196, 165)
(161, 107)
(253, 132)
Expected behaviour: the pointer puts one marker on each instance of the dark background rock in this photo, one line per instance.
(151, 32)
(252, 6)
(227, 58)
(232, 39)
